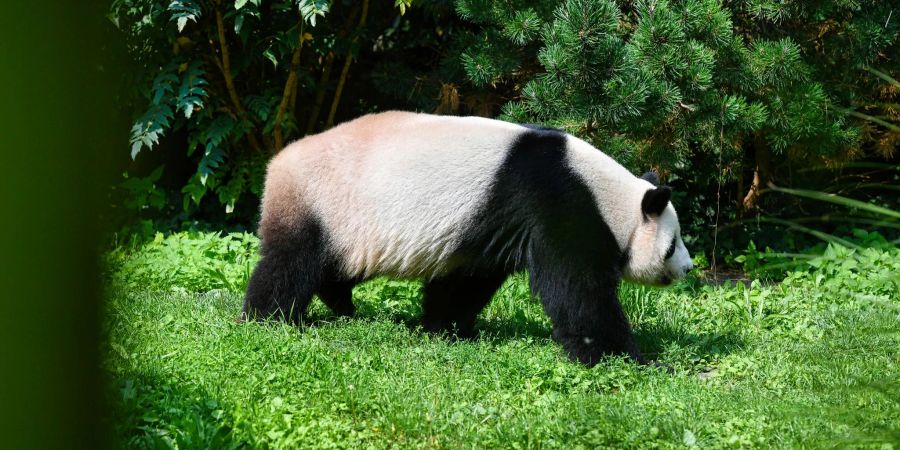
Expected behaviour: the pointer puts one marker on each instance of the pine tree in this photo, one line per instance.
(750, 85)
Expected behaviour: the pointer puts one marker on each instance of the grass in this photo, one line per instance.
(809, 362)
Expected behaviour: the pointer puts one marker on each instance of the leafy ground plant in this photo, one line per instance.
(186, 261)
(809, 362)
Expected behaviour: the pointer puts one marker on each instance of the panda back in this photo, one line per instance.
(394, 192)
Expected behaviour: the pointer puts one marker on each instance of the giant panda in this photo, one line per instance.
(462, 202)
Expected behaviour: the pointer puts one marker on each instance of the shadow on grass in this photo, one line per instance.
(506, 328)
(652, 338)
(148, 411)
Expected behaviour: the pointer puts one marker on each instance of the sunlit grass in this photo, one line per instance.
(808, 362)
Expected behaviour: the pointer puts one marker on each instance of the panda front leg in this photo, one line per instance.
(284, 280)
(597, 327)
(588, 321)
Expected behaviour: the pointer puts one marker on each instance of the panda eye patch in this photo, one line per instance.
(671, 250)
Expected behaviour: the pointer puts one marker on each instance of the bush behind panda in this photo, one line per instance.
(462, 202)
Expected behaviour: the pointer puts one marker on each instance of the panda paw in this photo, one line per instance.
(589, 350)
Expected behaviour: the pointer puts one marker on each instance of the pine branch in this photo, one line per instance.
(343, 78)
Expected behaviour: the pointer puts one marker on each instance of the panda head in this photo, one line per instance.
(656, 254)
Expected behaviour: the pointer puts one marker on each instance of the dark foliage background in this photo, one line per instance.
(722, 98)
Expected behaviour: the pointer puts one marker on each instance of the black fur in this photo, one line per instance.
(453, 302)
(543, 218)
(338, 296)
(655, 200)
(284, 280)
(652, 177)
(295, 265)
(671, 250)
(540, 216)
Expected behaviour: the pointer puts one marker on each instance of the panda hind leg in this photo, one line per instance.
(452, 303)
(286, 277)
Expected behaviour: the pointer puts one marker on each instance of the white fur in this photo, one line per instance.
(680, 263)
(647, 262)
(401, 203)
(618, 194)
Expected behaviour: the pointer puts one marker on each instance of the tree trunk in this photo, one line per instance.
(320, 94)
(289, 89)
(326, 73)
(229, 80)
(343, 78)
(762, 174)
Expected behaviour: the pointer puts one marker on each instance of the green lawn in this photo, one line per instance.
(810, 362)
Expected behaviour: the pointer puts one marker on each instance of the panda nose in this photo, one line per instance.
(688, 267)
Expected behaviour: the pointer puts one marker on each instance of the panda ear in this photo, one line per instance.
(652, 177)
(655, 200)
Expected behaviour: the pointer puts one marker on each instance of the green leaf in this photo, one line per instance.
(402, 5)
(184, 10)
(259, 106)
(218, 130)
(238, 4)
(193, 191)
(310, 9)
(213, 157)
(149, 127)
(154, 176)
(837, 199)
(191, 91)
(270, 56)
(163, 85)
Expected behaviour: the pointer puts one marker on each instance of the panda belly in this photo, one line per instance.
(408, 202)
(405, 236)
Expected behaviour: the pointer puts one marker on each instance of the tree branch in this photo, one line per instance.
(229, 80)
(343, 78)
(290, 88)
(320, 93)
(293, 103)
(326, 73)
(762, 175)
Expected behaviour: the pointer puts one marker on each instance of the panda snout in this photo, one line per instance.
(676, 273)
(684, 269)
